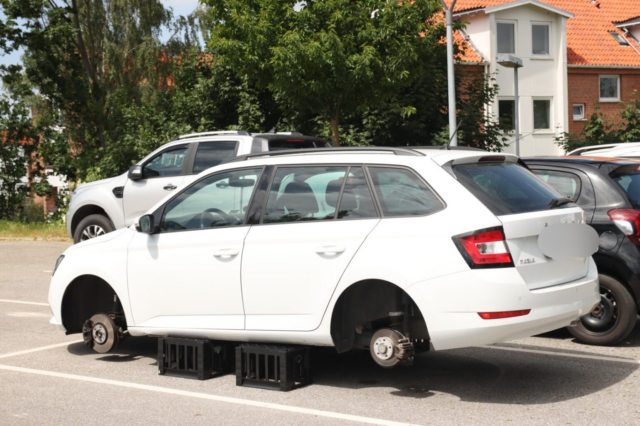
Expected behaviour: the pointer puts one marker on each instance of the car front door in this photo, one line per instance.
(315, 220)
(187, 274)
(161, 175)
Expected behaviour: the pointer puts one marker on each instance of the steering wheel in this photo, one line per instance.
(225, 216)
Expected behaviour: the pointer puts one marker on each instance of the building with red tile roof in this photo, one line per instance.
(576, 54)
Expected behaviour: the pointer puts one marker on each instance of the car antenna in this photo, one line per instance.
(448, 145)
(275, 128)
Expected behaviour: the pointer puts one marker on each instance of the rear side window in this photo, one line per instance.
(402, 193)
(567, 184)
(280, 144)
(300, 194)
(628, 178)
(356, 201)
(507, 188)
(210, 154)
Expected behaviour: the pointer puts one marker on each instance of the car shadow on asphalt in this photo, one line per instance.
(632, 341)
(472, 374)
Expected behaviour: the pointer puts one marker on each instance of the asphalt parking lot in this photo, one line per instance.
(47, 378)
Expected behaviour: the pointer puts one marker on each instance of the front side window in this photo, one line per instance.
(402, 193)
(507, 113)
(542, 114)
(567, 184)
(210, 154)
(609, 88)
(167, 163)
(506, 38)
(220, 200)
(301, 194)
(540, 39)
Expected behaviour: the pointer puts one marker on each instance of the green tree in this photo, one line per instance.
(335, 58)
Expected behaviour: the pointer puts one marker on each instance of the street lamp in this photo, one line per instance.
(451, 76)
(511, 61)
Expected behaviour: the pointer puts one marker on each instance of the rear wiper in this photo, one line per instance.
(557, 202)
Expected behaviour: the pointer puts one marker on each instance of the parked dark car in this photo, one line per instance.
(608, 190)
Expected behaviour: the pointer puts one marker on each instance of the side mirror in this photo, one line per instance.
(146, 224)
(135, 172)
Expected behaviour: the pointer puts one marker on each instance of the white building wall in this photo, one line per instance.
(539, 78)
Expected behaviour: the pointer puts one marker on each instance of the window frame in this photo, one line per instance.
(348, 166)
(515, 37)
(185, 163)
(159, 212)
(601, 99)
(542, 98)
(584, 109)
(549, 27)
(418, 175)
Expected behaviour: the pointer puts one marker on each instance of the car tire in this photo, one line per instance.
(612, 320)
(92, 226)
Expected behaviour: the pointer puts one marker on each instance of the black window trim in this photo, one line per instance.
(192, 159)
(396, 166)
(335, 217)
(169, 148)
(159, 212)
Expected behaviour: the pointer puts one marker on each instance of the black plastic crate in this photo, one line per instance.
(272, 367)
(191, 358)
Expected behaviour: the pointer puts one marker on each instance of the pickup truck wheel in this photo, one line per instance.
(612, 320)
(101, 333)
(92, 226)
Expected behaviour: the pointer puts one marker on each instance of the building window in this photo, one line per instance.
(507, 38)
(507, 113)
(609, 88)
(578, 112)
(540, 39)
(542, 114)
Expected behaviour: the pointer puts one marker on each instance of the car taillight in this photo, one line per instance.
(486, 248)
(500, 315)
(627, 221)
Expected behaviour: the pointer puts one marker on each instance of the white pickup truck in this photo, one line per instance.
(103, 206)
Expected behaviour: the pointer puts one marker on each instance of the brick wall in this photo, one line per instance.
(584, 88)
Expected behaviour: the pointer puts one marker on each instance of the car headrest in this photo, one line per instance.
(298, 197)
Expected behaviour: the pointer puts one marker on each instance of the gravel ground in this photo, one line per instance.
(546, 379)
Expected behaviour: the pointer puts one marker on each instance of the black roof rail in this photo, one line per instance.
(392, 150)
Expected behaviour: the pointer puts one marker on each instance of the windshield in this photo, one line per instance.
(507, 188)
(628, 178)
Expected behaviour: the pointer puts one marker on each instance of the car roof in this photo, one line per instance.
(607, 148)
(581, 159)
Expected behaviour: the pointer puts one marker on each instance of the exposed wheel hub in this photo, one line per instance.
(101, 333)
(389, 347)
(383, 348)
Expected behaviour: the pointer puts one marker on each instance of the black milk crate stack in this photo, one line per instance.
(197, 359)
(272, 367)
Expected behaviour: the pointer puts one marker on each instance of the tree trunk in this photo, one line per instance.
(335, 131)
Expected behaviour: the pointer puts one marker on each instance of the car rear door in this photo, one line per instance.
(523, 203)
(315, 220)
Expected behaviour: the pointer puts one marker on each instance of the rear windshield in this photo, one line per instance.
(507, 188)
(280, 144)
(628, 178)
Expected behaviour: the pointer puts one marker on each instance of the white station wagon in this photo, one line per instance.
(394, 250)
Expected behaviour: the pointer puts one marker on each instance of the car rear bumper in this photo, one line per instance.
(451, 304)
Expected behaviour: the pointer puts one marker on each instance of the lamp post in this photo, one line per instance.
(511, 61)
(451, 76)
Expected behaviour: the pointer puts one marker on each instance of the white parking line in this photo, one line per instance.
(41, 348)
(563, 354)
(24, 303)
(170, 391)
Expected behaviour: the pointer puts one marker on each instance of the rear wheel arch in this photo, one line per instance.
(368, 303)
(86, 296)
(619, 271)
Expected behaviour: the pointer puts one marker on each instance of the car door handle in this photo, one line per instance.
(330, 250)
(226, 253)
(170, 187)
